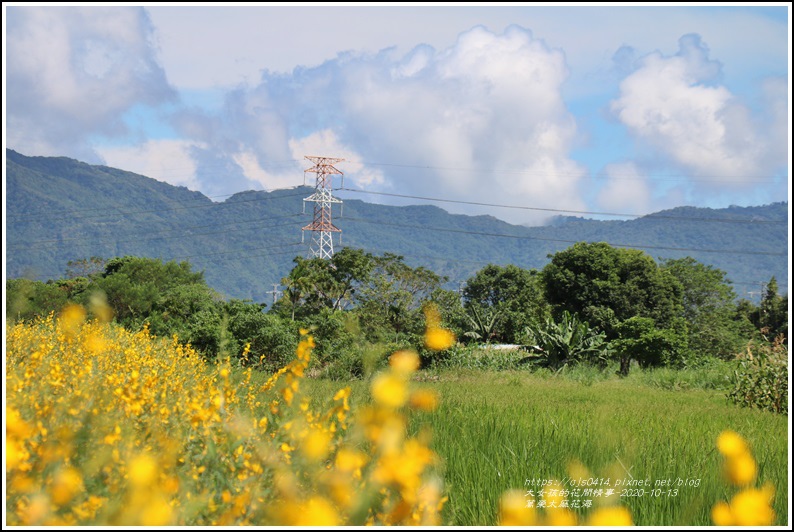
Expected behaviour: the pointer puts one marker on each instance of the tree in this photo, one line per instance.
(315, 283)
(773, 312)
(272, 340)
(640, 339)
(390, 301)
(140, 289)
(606, 286)
(709, 308)
(509, 296)
(26, 299)
(90, 267)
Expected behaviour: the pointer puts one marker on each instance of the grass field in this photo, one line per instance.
(107, 426)
(496, 430)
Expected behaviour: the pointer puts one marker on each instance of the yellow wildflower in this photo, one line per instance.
(67, 483)
(513, 510)
(389, 390)
(729, 443)
(350, 460)
(142, 471)
(156, 512)
(741, 469)
(610, 516)
(721, 514)
(426, 400)
(436, 337)
(71, 317)
(752, 507)
(439, 339)
(315, 444)
(560, 517)
(100, 308)
(317, 511)
(404, 362)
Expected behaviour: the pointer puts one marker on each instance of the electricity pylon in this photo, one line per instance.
(322, 244)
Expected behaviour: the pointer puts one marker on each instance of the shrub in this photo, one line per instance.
(570, 341)
(761, 378)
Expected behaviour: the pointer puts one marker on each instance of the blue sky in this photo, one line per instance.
(572, 107)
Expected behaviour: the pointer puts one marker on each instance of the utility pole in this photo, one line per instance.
(322, 244)
(275, 292)
(460, 288)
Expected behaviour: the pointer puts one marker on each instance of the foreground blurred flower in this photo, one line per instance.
(513, 510)
(610, 516)
(436, 337)
(751, 506)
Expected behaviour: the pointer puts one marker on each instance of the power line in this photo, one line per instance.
(278, 246)
(149, 238)
(164, 209)
(656, 177)
(523, 237)
(522, 207)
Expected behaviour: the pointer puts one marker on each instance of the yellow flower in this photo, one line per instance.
(350, 461)
(156, 512)
(752, 507)
(610, 516)
(560, 517)
(15, 425)
(426, 400)
(142, 471)
(72, 316)
(15, 454)
(389, 390)
(731, 444)
(436, 337)
(343, 394)
(404, 362)
(513, 510)
(721, 514)
(315, 444)
(432, 315)
(553, 495)
(439, 339)
(67, 483)
(99, 306)
(317, 511)
(741, 469)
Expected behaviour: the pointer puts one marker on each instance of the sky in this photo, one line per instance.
(557, 109)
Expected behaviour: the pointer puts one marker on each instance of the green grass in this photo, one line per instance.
(495, 430)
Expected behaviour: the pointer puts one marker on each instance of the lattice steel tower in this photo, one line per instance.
(322, 244)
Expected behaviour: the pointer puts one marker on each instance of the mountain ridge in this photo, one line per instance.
(60, 209)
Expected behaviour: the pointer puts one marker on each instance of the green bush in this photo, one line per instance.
(761, 378)
(479, 358)
(569, 341)
(357, 362)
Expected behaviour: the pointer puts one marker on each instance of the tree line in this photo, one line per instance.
(591, 304)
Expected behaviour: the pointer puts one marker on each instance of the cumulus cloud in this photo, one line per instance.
(678, 106)
(168, 160)
(627, 189)
(483, 118)
(72, 73)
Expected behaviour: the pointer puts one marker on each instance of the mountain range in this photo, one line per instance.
(59, 210)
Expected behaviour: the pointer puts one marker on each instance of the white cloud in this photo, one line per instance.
(72, 73)
(483, 118)
(324, 143)
(626, 189)
(677, 105)
(165, 160)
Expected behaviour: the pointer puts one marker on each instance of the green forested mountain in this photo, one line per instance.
(59, 210)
